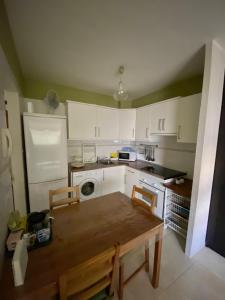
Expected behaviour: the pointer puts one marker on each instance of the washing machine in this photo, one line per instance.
(90, 183)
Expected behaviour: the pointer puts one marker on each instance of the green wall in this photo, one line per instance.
(182, 88)
(8, 45)
(38, 89)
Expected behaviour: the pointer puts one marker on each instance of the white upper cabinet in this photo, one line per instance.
(127, 119)
(81, 121)
(188, 117)
(107, 123)
(86, 121)
(163, 119)
(143, 115)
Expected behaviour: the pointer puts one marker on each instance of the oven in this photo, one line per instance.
(159, 190)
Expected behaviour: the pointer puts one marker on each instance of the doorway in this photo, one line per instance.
(216, 223)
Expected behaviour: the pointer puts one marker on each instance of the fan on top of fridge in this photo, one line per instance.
(51, 100)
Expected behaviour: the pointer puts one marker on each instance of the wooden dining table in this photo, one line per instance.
(80, 232)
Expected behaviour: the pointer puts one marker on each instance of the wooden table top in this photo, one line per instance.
(80, 232)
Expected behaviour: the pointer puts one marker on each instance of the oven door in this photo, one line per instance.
(160, 198)
(89, 188)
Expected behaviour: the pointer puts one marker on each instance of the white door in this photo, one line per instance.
(107, 123)
(188, 117)
(39, 193)
(127, 119)
(142, 130)
(131, 179)
(46, 148)
(81, 121)
(113, 180)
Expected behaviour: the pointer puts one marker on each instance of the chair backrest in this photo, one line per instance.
(150, 196)
(89, 278)
(66, 201)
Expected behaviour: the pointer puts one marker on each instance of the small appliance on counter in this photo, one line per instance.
(127, 155)
(39, 229)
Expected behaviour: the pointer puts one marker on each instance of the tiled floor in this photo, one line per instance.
(199, 278)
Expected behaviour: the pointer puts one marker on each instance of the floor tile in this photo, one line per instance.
(174, 261)
(195, 284)
(212, 261)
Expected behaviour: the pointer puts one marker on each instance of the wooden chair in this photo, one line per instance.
(128, 257)
(91, 277)
(66, 201)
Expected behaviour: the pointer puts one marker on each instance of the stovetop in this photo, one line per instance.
(163, 172)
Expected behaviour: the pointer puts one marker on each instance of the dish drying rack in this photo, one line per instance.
(177, 213)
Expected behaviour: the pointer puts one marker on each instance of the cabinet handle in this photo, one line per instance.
(95, 131)
(130, 171)
(133, 132)
(179, 133)
(163, 124)
(98, 131)
(146, 132)
(159, 122)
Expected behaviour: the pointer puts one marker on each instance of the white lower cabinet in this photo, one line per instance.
(113, 180)
(131, 179)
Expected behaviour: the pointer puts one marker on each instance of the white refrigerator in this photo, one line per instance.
(46, 156)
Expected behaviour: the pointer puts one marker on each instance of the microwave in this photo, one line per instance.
(126, 155)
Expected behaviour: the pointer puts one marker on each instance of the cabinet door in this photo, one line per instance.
(188, 117)
(156, 118)
(113, 180)
(131, 179)
(142, 130)
(127, 118)
(81, 121)
(170, 114)
(164, 117)
(107, 123)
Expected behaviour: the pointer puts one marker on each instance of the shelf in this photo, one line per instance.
(177, 213)
(179, 220)
(178, 209)
(182, 232)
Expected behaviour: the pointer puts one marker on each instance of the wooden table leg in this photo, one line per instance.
(157, 259)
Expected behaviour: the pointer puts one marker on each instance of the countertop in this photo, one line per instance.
(183, 189)
(149, 168)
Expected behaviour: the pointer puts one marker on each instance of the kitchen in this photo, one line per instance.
(109, 145)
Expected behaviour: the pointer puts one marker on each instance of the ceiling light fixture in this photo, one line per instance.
(120, 94)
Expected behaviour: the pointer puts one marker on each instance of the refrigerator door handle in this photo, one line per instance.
(7, 146)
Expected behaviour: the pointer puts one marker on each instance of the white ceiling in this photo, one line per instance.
(81, 43)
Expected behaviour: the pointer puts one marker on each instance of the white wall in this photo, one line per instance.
(171, 154)
(40, 107)
(103, 148)
(206, 147)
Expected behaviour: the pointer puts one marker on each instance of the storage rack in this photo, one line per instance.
(177, 212)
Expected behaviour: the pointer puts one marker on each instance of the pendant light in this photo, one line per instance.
(120, 94)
